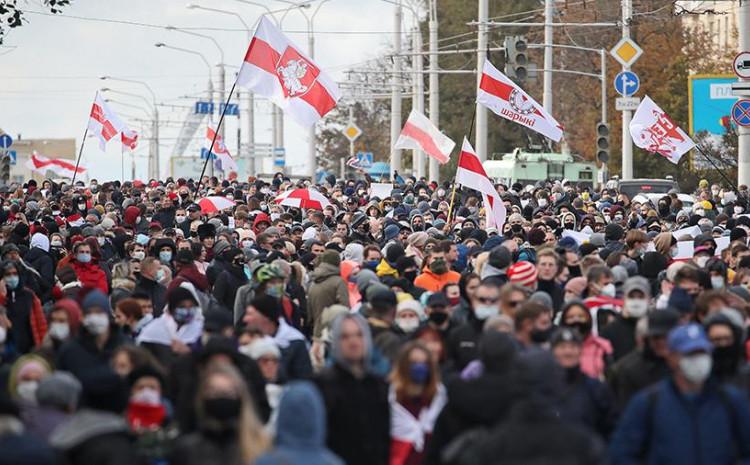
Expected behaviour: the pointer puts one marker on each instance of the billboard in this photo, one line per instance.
(709, 99)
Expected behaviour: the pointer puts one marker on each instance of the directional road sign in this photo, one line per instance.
(741, 112)
(627, 83)
(5, 141)
(741, 65)
(13, 156)
(626, 52)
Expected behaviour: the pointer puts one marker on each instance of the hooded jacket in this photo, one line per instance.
(260, 218)
(327, 288)
(29, 324)
(432, 282)
(300, 430)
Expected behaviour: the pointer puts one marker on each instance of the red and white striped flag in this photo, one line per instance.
(129, 139)
(470, 173)
(501, 95)
(103, 122)
(276, 68)
(420, 134)
(63, 168)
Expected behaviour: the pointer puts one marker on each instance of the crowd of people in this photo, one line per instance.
(138, 325)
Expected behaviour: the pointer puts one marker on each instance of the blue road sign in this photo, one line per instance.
(204, 108)
(5, 141)
(279, 151)
(279, 162)
(233, 109)
(364, 159)
(627, 83)
(12, 155)
(741, 112)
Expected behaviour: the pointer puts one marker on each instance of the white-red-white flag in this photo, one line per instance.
(275, 68)
(63, 168)
(470, 173)
(501, 95)
(654, 131)
(103, 122)
(129, 139)
(420, 134)
(224, 160)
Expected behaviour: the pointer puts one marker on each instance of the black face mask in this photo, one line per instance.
(572, 373)
(224, 409)
(438, 317)
(574, 271)
(439, 266)
(583, 328)
(410, 275)
(569, 226)
(540, 336)
(516, 228)
(726, 360)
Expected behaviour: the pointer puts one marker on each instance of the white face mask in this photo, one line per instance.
(96, 323)
(717, 282)
(701, 261)
(408, 325)
(636, 308)
(148, 396)
(59, 331)
(696, 368)
(179, 218)
(609, 290)
(139, 255)
(100, 240)
(524, 202)
(245, 350)
(26, 390)
(482, 312)
(738, 210)
(542, 202)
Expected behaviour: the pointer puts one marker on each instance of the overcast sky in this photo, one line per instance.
(49, 79)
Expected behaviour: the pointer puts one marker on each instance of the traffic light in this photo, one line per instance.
(602, 142)
(5, 168)
(516, 58)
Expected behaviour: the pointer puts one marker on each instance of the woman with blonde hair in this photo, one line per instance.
(416, 398)
(229, 432)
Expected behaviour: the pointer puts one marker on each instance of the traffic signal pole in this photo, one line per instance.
(548, 39)
(743, 133)
(627, 142)
(480, 143)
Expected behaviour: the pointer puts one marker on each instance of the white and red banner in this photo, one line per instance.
(652, 130)
(103, 122)
(129, 139)
(224, 160)
(61, 167)
(501, 95)
(275, 68)
(470, 173)
(420, 134)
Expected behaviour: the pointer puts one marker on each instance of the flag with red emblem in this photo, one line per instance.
(129, 139)
(501, 95)
(654, 131)
(275, 68)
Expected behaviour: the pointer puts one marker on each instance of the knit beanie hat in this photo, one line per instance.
(331, 257)
(267, 306)
(177, 295)
(393, 253)
(523, 273)
(59, 389)
(95, 299)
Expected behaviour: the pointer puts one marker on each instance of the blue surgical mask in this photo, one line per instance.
(371, 265)
(83, 257)
(247, 272)
(165, 256)
(276, 290)
(183, 315)
(419, 373)
(12, 281)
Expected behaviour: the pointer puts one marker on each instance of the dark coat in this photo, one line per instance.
(463, 342)
(156, 291)
(200, 448)
(588, 402)
(295, 360)
(227, 284)
(92, 436)
(43, 263)
(635, 371)
(25, 449)
(621, 333)
(358, 415)
(668, 427)
(554, 290)
(81, 354)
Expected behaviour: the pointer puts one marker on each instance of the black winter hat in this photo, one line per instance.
(267, 306)
(613, 232)
(177, 295)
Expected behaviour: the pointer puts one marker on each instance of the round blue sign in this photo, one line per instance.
(5, 141)
(627, 83)
(741, 112)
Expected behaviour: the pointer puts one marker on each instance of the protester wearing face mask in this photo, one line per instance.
(533, 323)
(146, 412)
(462, 340)
(28, 326)
(636, 242)
(686, 408)
(96, 341)
(24, 378)
(409, 315)
(726, 331)
(436, 273)
(636, 302)
(596, 352)
(64, 323)
(416, 397)
(89, 273)
(149, 283)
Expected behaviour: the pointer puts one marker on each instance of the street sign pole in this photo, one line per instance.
(743, 133)
(627, 143)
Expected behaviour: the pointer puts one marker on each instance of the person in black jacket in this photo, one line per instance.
(621, 331)
(356, 400)
(148, 283)
(583, 400)
(462, 340)
(231, 279)
(39, 258)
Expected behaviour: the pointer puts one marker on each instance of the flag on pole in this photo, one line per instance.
(276, 68)
(129, 139)
(470, 173)
(654, 131)
(63, 168)
(501, 95)
(103, 122)
(353, 162)
(224, 160)
(420, 134)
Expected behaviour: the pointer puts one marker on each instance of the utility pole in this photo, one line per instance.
(312, 163)
(548, 39)
(251, 168)
(627, 143)
(396, 91)
(743, 133)
(155, 153)
(603, 57)
(481, 112)
(418, 102)
(434, 172)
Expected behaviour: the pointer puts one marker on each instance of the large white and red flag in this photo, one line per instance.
(224, 159)
(275, 68)
(129, 139)
(501, 95)
(103, 122)
(61, 167)
(654, 131)
(420, 134)
(470, 173)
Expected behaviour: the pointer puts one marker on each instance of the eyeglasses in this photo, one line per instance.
(488, 300)
(514, 303)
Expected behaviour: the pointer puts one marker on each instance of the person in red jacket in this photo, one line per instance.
(88, 272)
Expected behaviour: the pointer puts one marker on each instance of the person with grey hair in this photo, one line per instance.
(355, 398)
(57, 398)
